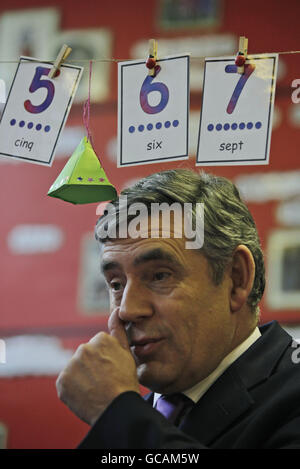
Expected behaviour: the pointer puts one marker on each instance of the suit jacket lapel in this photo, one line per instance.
(222, 404)
(225, 401)
(260, 360)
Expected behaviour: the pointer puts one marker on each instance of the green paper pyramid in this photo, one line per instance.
(83, 180)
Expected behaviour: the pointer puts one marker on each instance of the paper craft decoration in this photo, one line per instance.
(237, 111)
(83, 180)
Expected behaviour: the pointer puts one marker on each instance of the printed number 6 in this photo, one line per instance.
(36, 84)
(147, 88)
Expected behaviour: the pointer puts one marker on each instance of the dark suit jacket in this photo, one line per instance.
(255, 403)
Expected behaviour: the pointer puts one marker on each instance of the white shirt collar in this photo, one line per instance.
(197, 391)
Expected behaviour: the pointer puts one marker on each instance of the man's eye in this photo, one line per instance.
(159, 276)
(115, 286)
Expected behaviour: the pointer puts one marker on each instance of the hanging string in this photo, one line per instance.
(77, 61)
(87, 106)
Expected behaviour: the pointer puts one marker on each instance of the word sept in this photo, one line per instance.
(231, 146)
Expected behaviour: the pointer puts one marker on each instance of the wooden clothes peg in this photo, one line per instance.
(151, 61)
(242, 54)
(62, 56)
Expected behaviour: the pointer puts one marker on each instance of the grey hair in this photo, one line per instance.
(228, 222)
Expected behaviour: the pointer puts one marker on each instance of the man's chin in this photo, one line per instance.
(154, 379)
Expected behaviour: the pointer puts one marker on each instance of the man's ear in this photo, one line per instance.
(242, 275)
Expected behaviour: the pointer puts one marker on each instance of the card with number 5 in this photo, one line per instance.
(36, 110)
(237, 110)
(153, 111)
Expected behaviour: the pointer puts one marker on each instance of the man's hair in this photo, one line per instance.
(227, 220)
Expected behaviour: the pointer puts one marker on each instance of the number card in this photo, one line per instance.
(237, 111)
(36, 110)
(153, 111)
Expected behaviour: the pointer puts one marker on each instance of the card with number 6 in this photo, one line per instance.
(36, 110)
(153, 111)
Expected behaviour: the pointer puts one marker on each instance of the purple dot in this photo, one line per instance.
(249, 125)
(167, 124)
(175, 123)
(234, 126)
(258, 125)
(47, 128)
(141, 128)
(226, 126)
(90, 179)
(131, 129)
(30, 125)
(38, 126)
(219, 127)
(242, 125)
(158, 125)
(150, 126)
(13, 122)
(210, 127)
(21, 124)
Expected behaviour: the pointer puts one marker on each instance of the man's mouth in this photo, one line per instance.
(145, 346)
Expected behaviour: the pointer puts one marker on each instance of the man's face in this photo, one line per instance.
(178, 322)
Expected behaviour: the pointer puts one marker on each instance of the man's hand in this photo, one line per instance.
(98, 372)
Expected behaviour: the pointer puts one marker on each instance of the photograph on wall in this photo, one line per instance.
(184, 14)
(92, 291)
(32, 30)
(88, 44)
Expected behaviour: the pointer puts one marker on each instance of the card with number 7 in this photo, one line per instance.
(36, 110)
(237, 111)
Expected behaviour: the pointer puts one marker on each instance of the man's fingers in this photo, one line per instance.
(95, 340)
(116, 329)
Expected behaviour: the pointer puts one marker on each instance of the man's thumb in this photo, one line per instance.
(116, 329)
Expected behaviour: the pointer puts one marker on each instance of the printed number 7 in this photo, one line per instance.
(249, 69)
(36, 84)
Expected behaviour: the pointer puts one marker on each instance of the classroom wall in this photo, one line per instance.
(41, 301)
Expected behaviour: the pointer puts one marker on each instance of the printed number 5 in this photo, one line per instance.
(249, 69)
(36, 84)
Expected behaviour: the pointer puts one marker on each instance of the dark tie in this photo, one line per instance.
(174, 406)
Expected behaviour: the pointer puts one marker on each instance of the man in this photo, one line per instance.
(184, 322)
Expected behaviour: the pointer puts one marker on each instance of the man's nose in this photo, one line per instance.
(135, 304)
